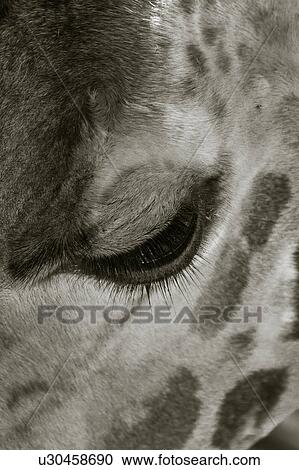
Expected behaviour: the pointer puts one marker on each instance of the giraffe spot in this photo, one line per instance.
(187, 6)
(244, 53)
(32, 388)
(210, 34)
(293, 335)
(260, 18)
(217, 106)
(170, 421)
(6, 340)
(197, 58)
(269, 197)
(287, 118)
(223, 59)
(241, 344)
(189, 87)
(254, 397)
(236, 278)
(209, 3)
(225, 291)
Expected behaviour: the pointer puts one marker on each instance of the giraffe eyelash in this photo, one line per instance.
(129, 294)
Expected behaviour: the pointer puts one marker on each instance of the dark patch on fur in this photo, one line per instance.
(244, 53)
(209, 3)
(33, 387)
(236, 277)
(287, 118)
(223, 59)
(294, 334)
(225, 290)
(187, 6)
(241, 403)
(189, 88)
(197, 58)
(210, 35)
(269, 196)
(217, 106)
(261, 19)
(171, 418)
(6, 340)
(4, 8)
(241, 344)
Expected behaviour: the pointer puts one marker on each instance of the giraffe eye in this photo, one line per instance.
(161, 256)
(166, 254)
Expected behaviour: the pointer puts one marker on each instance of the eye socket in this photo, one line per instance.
(168, 253)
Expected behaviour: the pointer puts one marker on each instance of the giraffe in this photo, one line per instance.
(148, 222)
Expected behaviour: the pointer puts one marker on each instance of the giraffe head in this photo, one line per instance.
(145, 145)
